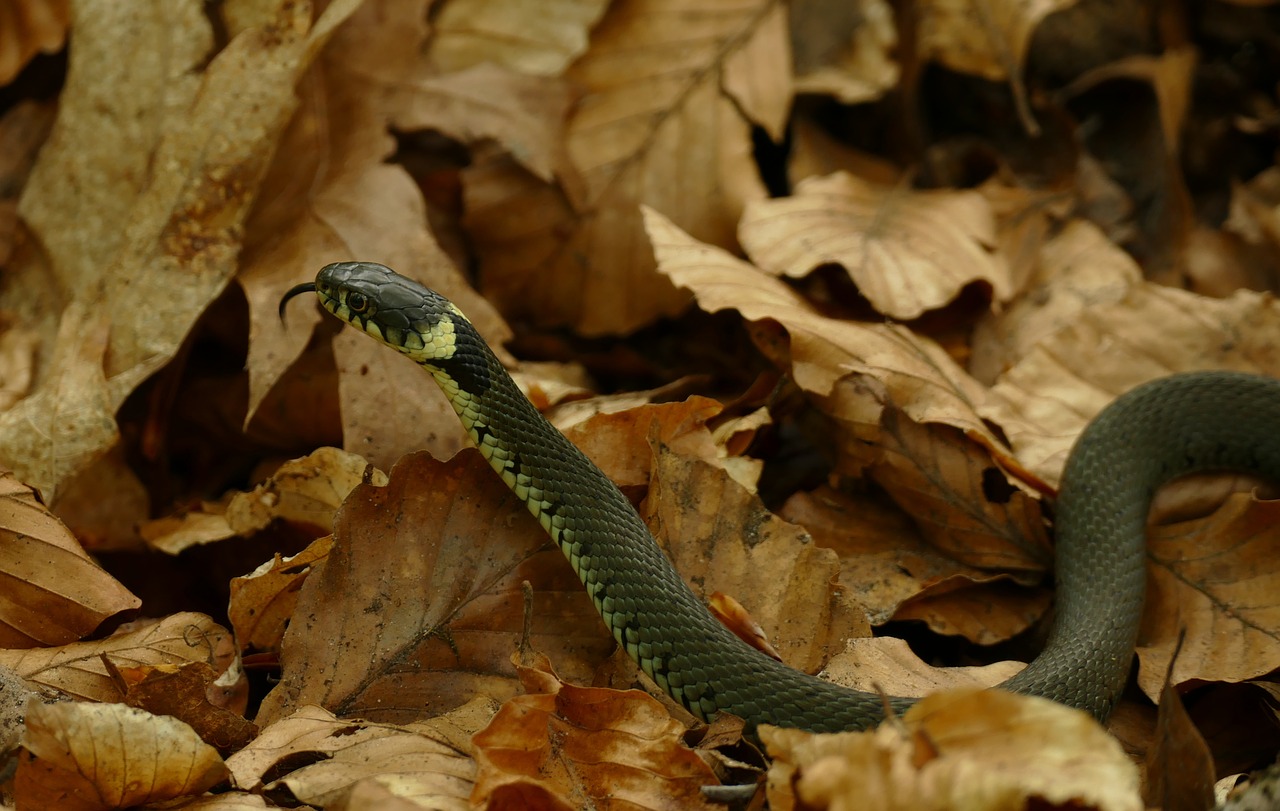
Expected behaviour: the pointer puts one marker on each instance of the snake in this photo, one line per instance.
(1156, 432)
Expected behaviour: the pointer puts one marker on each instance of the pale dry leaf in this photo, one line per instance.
(845, 49)
(174, 208)
(654, 126)
(1213, 580)
(537, 39)
(28, 27)
(262, 602)
(1076, 269)
(887, 665)
(981, 750)
(988, 38)
(1044, 401)
(104, 756)
(318, 756)
(307, 491)
(563, 746)
(418, 605)
(907, 251)
(54, 593)
(331, 195)
(77, 669)
(751, 77)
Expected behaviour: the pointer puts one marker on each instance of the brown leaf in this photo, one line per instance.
(77, 669)
(907, 251)
(973, 749)
(419, 605)
(887, 665)
(845, 49)
(29, 26)
(538, 40)
(182, 692)
(720, 538)
(1179, 766)
(263, 602)
(54, 592)
(993, 48)
(85, 757)
(561, 746)
(320, 758)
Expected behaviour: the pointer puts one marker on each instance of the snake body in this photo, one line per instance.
(1156, 432)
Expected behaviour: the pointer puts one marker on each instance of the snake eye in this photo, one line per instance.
(357, 302)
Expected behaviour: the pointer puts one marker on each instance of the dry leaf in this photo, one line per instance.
(648, 129)
(907, 251)
(77, 669)
(263, 602)
(994, 45)
(86, 757)
(561, 746)
(973, 749)
(1180, 769)
(539, 39)
(844, 49)
(888, 666)
(1213, 580)
(418, 605)
(319, 758)
(182, 692)
(54, 592)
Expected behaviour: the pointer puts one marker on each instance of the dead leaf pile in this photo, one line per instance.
(827, 288)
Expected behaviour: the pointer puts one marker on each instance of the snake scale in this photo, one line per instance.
(1158, 431)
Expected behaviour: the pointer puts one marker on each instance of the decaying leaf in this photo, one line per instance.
(561, 746)
(54, 592)
(92, 757)
(263, 602)
(183, 692)
(971, 749)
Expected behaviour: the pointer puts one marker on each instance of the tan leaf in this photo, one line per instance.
(907, 251)
(980, 750)
(77, 668)
(1213, 579)
(648, 129)
(1044, 401)
(538, 40)
(305, 491)
(262, 603)
(125, 209)
(561, 746)
(27, 27)
(887, 665)
(845, 49)
(54, 592)
(427, 762)
(419, 605)
(103, 756)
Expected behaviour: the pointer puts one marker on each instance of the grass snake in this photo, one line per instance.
(1157, 432)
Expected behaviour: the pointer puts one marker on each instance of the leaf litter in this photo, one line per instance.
(893, 331)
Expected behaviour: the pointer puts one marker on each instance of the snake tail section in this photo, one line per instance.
(1156, 432)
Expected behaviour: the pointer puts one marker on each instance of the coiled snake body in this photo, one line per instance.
(1154, 433)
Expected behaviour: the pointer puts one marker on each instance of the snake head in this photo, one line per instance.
(402, 314)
